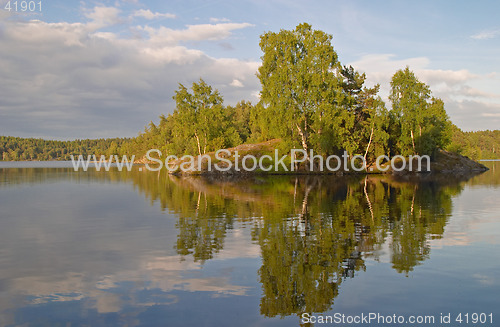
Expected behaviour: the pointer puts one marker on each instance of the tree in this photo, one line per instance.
(365, 118)
(299, 81)
(241, 114)
(437, 127)
(409, 101)
(420, 122)
(202, 120)
(373, 135)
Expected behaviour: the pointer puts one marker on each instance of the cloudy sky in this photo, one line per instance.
(86, 69)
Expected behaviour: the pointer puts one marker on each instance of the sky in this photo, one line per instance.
(98, 69)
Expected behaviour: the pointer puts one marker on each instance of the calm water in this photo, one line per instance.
(147, 249)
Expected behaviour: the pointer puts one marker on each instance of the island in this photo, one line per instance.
(310, 103)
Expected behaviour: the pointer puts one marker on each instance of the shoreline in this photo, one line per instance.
(444, 162)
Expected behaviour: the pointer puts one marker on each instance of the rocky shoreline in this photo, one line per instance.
(444, 162)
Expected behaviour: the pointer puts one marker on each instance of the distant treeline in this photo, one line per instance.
(476, 145)
(17, 148)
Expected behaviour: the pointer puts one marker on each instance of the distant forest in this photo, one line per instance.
(308, 100)
(476, 145)
(17, 148)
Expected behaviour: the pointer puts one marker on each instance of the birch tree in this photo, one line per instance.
(299, 81)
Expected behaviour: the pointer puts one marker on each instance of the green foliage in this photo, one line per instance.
(17, 148)
(241, 116)
(310, 101)
(199, 124)
(299, 83)
(475, 145)
(420, 123)
(365, 127)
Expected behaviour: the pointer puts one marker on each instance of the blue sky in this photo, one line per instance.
(85, 69)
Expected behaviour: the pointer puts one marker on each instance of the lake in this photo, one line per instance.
(144, 248)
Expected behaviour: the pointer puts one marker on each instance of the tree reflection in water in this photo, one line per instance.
(313, 231)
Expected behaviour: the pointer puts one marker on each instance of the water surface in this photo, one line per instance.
(147, 249)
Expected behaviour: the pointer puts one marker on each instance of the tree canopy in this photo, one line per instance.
(299, 82)
(421, 124)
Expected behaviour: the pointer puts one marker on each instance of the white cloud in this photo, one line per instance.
(467, 105)
(487, 34)
(35, 32)
(449, 77)
(174, 54)
(103, 16)
(219, 20)
(104, 35)
(236, 83)
(148, 14)
(473, 115)
(473, 92)
(386, 62)
(69, 80)
(201, 32)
